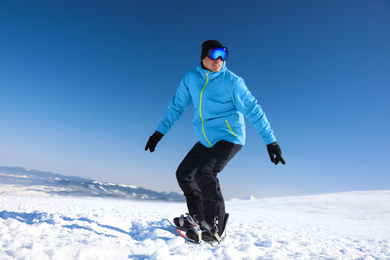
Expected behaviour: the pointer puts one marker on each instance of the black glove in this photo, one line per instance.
(274, 150)
(153, 140)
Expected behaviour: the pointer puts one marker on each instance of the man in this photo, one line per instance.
(221, 100)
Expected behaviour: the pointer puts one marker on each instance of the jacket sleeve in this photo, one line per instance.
(179, 103)
(247, 104)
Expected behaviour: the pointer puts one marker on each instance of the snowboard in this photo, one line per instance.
(181, 231)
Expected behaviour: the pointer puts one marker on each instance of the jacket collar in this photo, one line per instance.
(212, 75)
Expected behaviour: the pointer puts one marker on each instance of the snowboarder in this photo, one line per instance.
(221, 100)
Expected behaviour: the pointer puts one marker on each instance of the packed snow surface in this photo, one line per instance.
(352, 225)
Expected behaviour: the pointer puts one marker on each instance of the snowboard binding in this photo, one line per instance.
(208, 233)
(185, 222)
(197, 233)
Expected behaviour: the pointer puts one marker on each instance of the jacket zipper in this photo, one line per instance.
(230, 128)
(200, 108)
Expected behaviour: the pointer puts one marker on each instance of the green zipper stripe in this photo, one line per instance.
(230, 128)
(200, 108)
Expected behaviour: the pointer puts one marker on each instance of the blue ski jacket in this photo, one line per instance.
(221, 99)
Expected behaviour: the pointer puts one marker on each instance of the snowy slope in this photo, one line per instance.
(28, 182)
(354, 225)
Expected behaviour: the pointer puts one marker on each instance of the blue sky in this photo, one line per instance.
(83, 84)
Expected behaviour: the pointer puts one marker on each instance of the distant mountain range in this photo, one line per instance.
(22, 181)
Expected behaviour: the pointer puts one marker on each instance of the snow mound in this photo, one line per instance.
(352, 225)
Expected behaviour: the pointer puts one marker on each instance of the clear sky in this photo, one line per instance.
(83, 84)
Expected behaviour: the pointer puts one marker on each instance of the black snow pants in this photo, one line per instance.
(197, 177)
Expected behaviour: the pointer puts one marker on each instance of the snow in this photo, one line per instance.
(350, 225)
(14, 176)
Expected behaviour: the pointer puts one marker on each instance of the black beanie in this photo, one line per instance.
(210, 44)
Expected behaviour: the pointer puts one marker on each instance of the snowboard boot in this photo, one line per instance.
(210, 231)
(186, 222)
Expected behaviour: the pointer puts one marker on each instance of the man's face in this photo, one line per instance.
(212, 65)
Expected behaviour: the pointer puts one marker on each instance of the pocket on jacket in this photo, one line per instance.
(231, 130)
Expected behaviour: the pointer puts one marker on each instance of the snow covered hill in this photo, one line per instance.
(351, 225)
(21, 181)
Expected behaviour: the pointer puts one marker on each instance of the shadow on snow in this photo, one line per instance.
(138, 231)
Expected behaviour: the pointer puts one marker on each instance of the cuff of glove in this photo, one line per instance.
(158, 133)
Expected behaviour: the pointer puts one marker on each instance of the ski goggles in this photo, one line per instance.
(215, 53)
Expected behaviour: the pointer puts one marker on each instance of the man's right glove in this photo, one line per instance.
(153, 140)
(275, 154)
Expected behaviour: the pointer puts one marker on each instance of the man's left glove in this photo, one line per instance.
(275, 154)
(153, 140)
